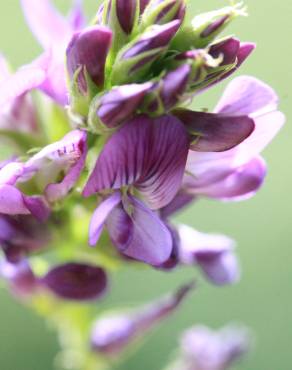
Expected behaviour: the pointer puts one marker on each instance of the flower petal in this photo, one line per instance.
(236, 184)
(76, 281)
(46, 23)
(213, 253)
(24, 80)
(215, 132)
(139, 233)
(11, 201)
(247, 95)
(149, 154)
(57, 191)
(100, 215)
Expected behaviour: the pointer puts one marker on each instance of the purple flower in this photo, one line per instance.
(76, 281)
(213, 253)
(114, 107)
(204, 349)
(146, 156)
(239, 172)
(112, 334)
(86, 57)
(53, 31)
(68, 155)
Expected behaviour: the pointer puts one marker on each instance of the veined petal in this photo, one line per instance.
(67, 155)
(139, 233)
(246, 95)
(46, 23)
(236, 184)
(25, 79)
(149, 154)
(77, 17)
(100, 215)
(215, 132)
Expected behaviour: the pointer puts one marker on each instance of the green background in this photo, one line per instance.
(262, 226)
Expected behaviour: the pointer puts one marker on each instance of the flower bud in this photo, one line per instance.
(206, 27)
(163, 11)
(109, 110)
(86, 58)
(205, 349)
(110, 335)
(135, 60)
(168, 92)
(121, 16)
(76, 281)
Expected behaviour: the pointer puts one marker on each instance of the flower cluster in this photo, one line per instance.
(99, 134)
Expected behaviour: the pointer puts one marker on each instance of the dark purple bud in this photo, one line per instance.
(134, 61)
(86, 56)
(114, 107)
(76, 281)
(126, 13)
(20, 277)
(112, 334)
(228, 49)
(215, 132)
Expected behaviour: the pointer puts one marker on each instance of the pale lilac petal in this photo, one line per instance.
(58, 191)
(140, 233)
(77, 17)
(247, 95)
(11, 172)
(213, 253)
(239, 183)
(11, 201)
(215, 132)
(23, 81)
(54, 85)
(206, 349)
(46, 23)
(100, 215)
(149, 154)
(220, 270)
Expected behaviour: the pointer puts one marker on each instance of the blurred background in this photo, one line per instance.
(262, 226)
